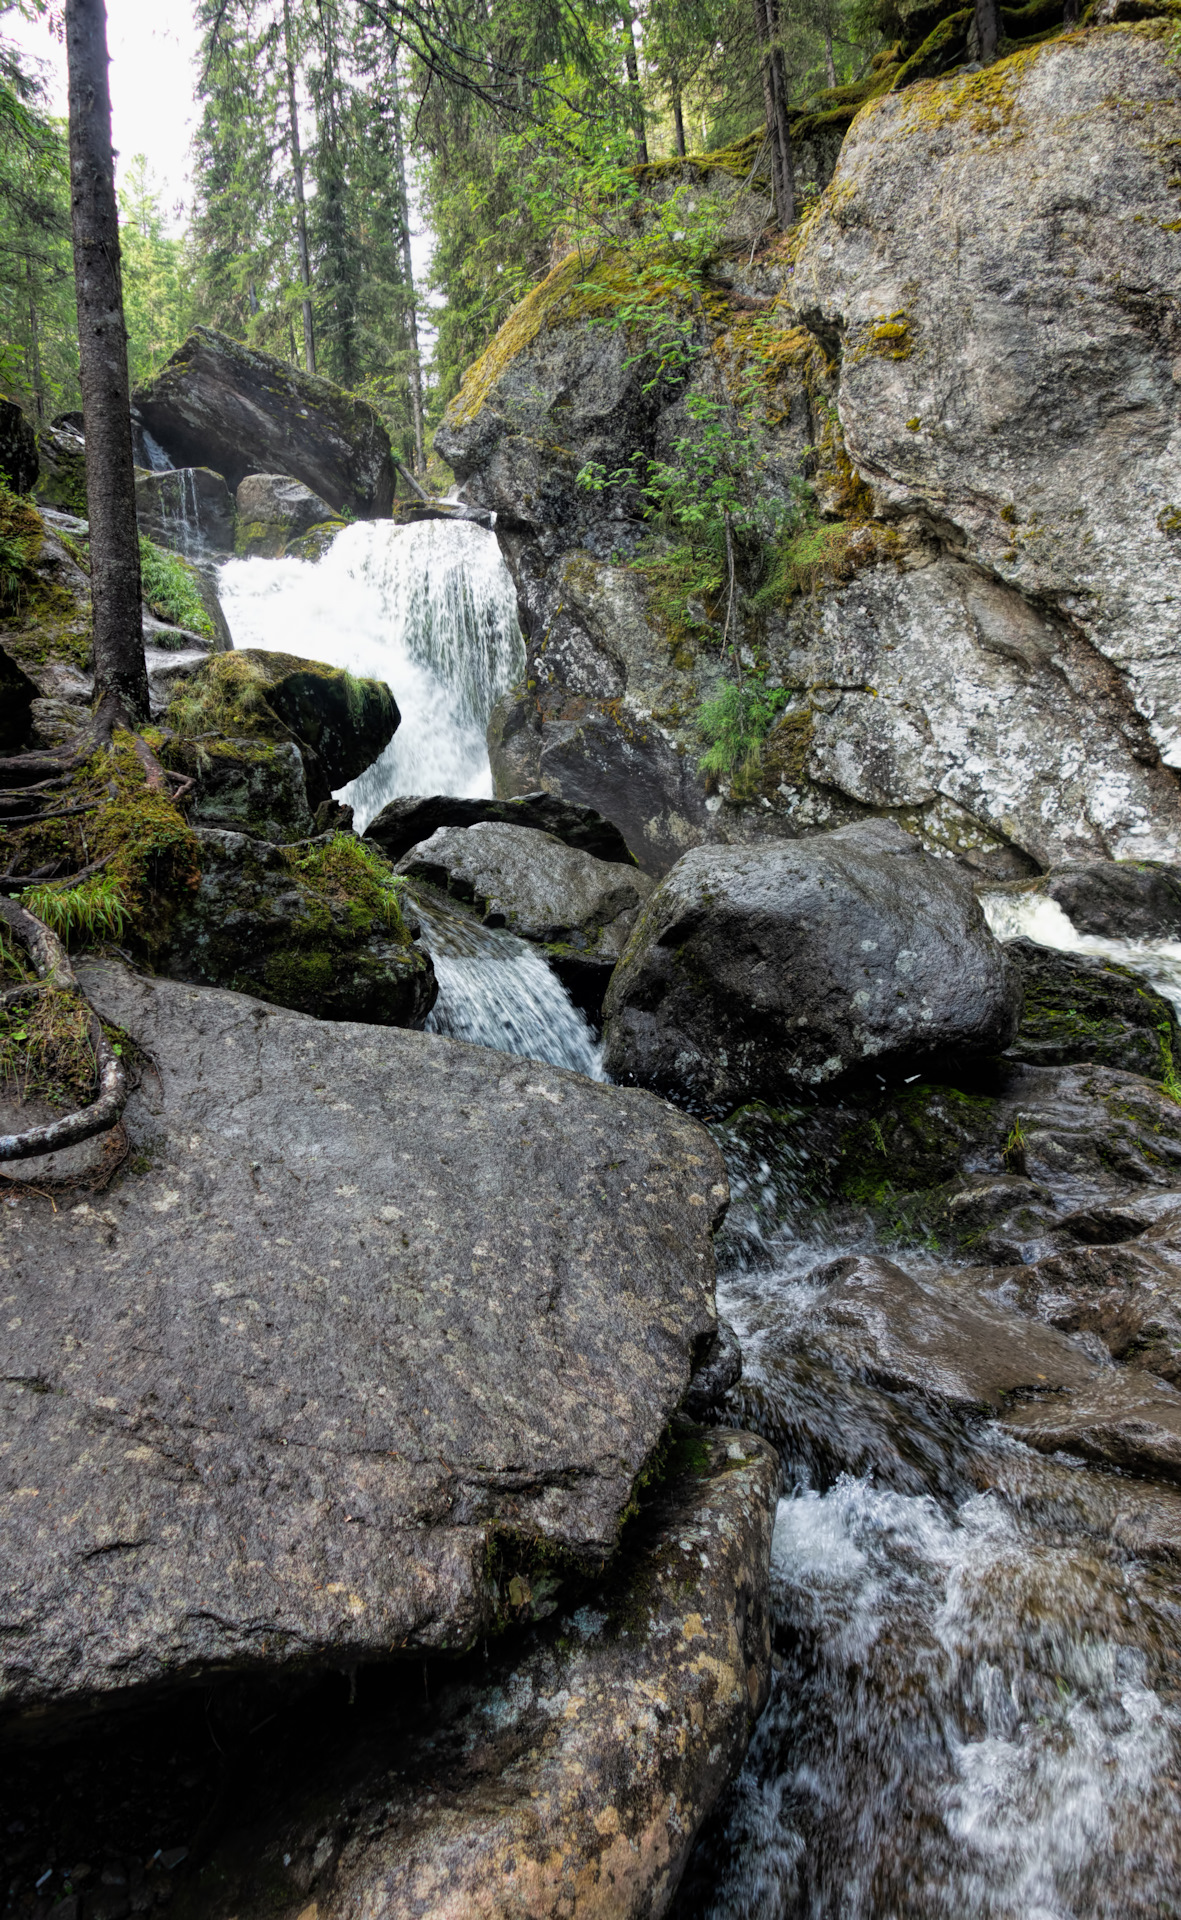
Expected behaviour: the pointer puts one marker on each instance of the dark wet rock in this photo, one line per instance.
(365, 1303)
(404, 822)
(755, 972)
(1119, 899)
(547, 1789)
(719, 1369)
(190, 510)
(274, 510)
(340, 723)
(535, 885)
(1123, 1419)
(1076, 1008)
(233, 408)
(17, 694)
(19, 460)
(61, 481)
(253, 787)
(1128, 1296)
(279, 922)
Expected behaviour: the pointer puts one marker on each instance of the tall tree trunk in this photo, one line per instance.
(120, 672)
(35, 374)
(407, 265)
(632, 63)
(301, 214)
(829, 62)
(679, 121)
(984, 32)
(774, 75)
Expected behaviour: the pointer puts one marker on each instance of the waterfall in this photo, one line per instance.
(1034, 917)
(429, 609)
(158, 460)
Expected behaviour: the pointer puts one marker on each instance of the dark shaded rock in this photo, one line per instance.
(751, 973)
(205, 581)
(546, 1787)
(254, 787)
(222, 405)
(190, 510)
(277, 922)
(1076, 1008)
(1119, 899)
(627, 769)
(1129, 1296)
(719, 1369)
(404, 822)
(17, 694)
(535, 885)
(61, 481)
(365, 1303)
(274, 509)
(19, 461)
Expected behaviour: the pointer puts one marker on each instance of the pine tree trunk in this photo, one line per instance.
(774, 76)
(829, 62)
(120, 672)
(984, 32)
(301, 214)
(407, 267)
(679, 121)
(35, 375)
(631, 60)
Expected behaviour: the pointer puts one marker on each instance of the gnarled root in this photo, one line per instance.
(54, 971)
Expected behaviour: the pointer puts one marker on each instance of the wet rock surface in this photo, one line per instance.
(233, 408)
(755, 972)
(1076, 1009)
(264, 1407)
(1118, 900)
(535, 885)
(404, 822)
(190, 510)
(339, 722)
(273, 510)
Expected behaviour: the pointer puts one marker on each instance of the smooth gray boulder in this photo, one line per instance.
(535, 885)
(755, 973)
(404, 822)
(367, 1312)
(274, 509)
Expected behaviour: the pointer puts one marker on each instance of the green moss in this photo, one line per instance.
(354, 875)
(299, 976)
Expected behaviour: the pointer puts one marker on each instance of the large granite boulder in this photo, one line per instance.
(404, 822)
(19, 461)
(189, 509)
(535, 885)
(374, 1325)
(233, 408)
(273, 510)
(755, 972)
(61, 482)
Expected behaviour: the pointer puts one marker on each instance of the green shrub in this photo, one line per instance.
(170, 589)
(734, 725)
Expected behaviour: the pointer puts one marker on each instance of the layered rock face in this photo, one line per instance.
(222, 405)
(371, 1303)
(986, 653)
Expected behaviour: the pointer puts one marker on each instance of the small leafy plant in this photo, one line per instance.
(170, 590)
(734, 725)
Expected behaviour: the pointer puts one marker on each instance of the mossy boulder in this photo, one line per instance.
(61, 481)
(254, 787)
(273, 511)
(1076, 1009)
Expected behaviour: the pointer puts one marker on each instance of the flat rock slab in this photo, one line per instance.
(403, 822)
(363, 1301)
(573, 1780)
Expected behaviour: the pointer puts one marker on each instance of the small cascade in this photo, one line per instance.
(429, 609)
(158, 460)
(181, 511)
(1013, 916)
(496, 991)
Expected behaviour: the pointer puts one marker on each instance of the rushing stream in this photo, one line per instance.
(975, 1712)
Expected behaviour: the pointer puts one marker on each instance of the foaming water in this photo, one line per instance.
(1014, 915)
(496, 991)
(429, 609)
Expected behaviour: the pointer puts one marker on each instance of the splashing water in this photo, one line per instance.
(429, 609)
(1013, 916)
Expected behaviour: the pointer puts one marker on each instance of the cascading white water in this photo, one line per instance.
(1032, 916)
(429, 609)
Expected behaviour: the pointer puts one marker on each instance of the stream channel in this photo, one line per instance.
(975, 1709)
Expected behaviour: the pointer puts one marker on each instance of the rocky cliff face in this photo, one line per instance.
(970, 352)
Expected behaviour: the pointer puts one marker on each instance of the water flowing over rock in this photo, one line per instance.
(238, 410)
(755, 972)
(392, 1298)
(190, 510)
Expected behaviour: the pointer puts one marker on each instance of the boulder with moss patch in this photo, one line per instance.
(273, 512)
(19, 461)
(61, 481)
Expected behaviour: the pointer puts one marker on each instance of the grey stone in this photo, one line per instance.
(404, 822)
(364, 1303)
(574, 1772)
(535, 885)
(719, 1369)
(274, 509)
(189, 509)
(756, 971)
(219, 404)
(1124, 900)
(253, 787)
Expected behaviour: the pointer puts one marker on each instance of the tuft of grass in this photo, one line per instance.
(1170, 1085)
(1013, 1152)
(94, 910)
(734, 725)
(45, 1049)
(169, 587)
(345, 869)
(228, 696)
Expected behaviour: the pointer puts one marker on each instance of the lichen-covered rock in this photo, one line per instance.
(233, 408)
(253, 787)
(273, 511)
(19, 462)
(307, 926)
(1078, 1008)
(404, 822)
(61, 481)
(755, 972)
(1010, 382)
(535, 885)
(189, 509)
(372, 1317)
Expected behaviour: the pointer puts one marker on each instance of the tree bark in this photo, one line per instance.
(679, 121)
(829, 62)
(301, 214)
(774, 76)
(985, 32)
(35, 375)
(407, 266)
(120, 672)
(632, 63)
